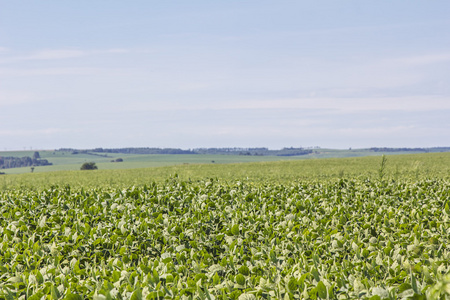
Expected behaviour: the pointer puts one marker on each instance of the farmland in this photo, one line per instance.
(71, 160)
(344, 228)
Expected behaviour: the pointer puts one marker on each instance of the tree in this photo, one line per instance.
(88, 166)
(36, 155)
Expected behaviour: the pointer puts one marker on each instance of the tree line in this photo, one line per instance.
(432, 149)
(7, 162)
(261, 151)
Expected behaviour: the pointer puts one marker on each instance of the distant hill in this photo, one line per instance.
(211, 151)
(261, 151)
(424, 150)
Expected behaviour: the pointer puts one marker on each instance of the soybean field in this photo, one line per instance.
(378, 235)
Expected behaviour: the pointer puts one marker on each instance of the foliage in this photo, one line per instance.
(36, 155)
(211, 239)
(7, 162)
(382, 169)
(89, 166)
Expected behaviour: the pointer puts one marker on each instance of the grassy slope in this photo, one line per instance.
(413, 165)
(69, 162)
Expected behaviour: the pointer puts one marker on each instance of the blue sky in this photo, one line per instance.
(190, 74)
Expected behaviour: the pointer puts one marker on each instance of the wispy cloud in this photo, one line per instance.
(59, 54)
(115, 50)
(14, 97)
(424, 59)
(32, 132)
(55, 54)
(12, 72)
(325, 105)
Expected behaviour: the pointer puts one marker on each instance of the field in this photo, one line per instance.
(66, 161)
(347, 228)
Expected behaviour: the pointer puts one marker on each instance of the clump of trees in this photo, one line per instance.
(89, 166)
(117, 160)
(7, 162)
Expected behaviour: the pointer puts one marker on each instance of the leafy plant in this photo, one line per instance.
(350, 238)
(382, 169)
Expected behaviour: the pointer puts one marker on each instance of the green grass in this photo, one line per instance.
(69, 162)
(74, 162)
(416, 165)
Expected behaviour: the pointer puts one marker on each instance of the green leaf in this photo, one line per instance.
(414, 284)
(38, 295)
(292, 284)
(9, 295)
(55, 293)
(155, 276)
(322, 290)
(244, 270)
(316, 274)
(365, 253)
(418, 297)
(235, 229)
(71, 296)
(216, 279)
(36, 247)
(403, 287)
(39, 278)
(240, 279)
(200, 293)
(137, 295)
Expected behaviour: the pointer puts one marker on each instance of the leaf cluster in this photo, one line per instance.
(227, 240)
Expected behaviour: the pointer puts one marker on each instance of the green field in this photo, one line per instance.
(66, 161)
(412, 165)
(337, 228)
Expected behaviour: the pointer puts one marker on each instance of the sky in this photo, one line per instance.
(191, 74)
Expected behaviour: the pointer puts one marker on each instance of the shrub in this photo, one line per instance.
(88, 166)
